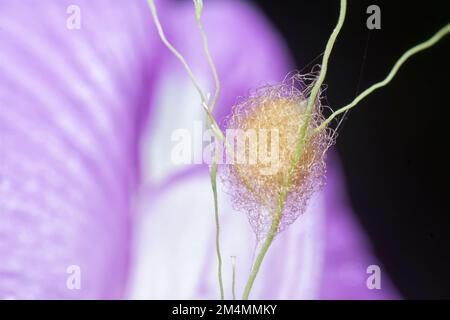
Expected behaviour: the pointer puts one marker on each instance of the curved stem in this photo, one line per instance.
(175, 52)
(211, 64)
(211, 120)
(299, 152)
(219, 134)
(316, 88)
(326, 56)
(408, 54)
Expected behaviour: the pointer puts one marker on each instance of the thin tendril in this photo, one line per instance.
(211, 64)
(213, 171)
(408, 54)
(299, 151)
(212, 122)
(173, 50)
(233, 278)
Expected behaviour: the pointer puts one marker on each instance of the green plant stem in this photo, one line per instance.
(408, 54)
(265, 247)
(233, 279)
(316, 88)
(219, 134)
(210, 62)
(299, 152)
(216, 215)
(260, 258)
(175, 52)
(211, 120)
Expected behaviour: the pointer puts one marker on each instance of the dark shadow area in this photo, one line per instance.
(394, 145)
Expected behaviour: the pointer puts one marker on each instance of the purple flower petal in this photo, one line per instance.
(71, 105)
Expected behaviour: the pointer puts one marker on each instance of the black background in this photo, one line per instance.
(163, 309)
(394, 145)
